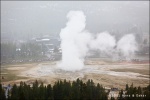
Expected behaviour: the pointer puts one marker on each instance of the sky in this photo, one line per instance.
(27, 19)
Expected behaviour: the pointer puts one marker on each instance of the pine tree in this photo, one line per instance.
(127, 87)
(41, 91)
(139, 90)
(2, 93)
(35, 90)
(49, 92)
(120, 97)
(14, 92)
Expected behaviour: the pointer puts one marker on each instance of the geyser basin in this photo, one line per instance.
(55, 72)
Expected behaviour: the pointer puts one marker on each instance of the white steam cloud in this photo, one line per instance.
(127, 45)
(76, 42)
(103, 42)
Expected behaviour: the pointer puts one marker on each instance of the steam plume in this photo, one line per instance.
(127, 45)
(103, 42)
(76, 42)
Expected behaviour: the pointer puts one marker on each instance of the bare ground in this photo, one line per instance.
(109, 74)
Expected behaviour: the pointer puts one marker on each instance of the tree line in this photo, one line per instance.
(25, 51)
(61, 90)
(135, 93)
(10, 49)
(66, 90)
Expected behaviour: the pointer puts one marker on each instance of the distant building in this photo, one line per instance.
(47, 43)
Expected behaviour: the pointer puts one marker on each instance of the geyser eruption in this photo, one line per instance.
(127, 45)
(103, 42)
(74, 42)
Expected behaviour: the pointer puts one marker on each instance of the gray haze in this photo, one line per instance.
(27, 19)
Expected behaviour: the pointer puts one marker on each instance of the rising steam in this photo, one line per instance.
(103, 42)
(76, 42)
(127, 45)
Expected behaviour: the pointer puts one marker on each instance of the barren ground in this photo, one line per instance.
(109, 74)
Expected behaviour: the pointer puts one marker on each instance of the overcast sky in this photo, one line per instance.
(31, 18)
